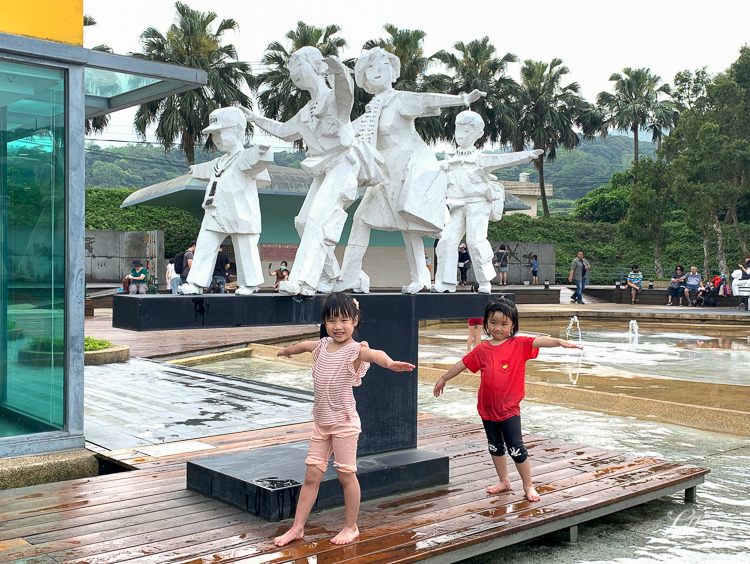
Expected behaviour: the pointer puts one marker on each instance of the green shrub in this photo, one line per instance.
(92, 344)
(103, 212)
(44, 344)
(11, 325)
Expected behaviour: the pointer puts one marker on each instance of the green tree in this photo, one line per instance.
(689, 87)
(649, 206)
(278, 98)
(548, 113)
(408, 46)
(191, 41)
(635, 104)
(608, 203)
(478, 67)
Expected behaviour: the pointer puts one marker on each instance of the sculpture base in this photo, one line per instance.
(267, 482)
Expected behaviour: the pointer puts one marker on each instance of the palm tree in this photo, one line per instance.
(548, 114)
(408, 46)
(635, 103)
(191, 41)
(479, 67)
(99, 123)
(278, 98)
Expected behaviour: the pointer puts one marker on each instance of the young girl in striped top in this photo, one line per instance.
(340, 362)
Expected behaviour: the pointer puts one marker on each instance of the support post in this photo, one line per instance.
(691, 494)
(571, 534)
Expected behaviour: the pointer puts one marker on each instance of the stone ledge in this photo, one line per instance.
(117, 353)
(22, 471)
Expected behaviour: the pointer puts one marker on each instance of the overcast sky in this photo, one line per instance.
(593, 38)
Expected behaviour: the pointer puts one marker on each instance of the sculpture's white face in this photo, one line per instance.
(379, 74)
(303, 75)
(466, 135)
(225, 138)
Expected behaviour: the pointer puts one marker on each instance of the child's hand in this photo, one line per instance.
(439, 387)
(284, 352)
(397, 366)
(569, 345)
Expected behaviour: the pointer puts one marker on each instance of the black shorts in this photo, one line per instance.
(505, 436)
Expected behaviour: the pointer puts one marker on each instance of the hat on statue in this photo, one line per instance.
(225, 118)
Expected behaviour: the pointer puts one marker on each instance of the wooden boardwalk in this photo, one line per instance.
(146, 516)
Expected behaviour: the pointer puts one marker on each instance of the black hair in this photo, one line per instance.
(634, 267)
(502, 246)
(192, 244)
(506, 308)
(679, 267)
(534, 256)
(338, 303)
(284, 263)
(171, 261)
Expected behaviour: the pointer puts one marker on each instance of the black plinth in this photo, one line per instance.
(386, 401)
(267, 481)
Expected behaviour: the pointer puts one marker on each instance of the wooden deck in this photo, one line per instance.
(146, 516)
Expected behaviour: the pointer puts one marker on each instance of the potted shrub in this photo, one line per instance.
(43, 352)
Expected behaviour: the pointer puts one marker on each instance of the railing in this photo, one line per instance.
(610, 275)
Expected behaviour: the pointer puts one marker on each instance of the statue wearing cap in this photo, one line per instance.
(230, 203)
(339, 163)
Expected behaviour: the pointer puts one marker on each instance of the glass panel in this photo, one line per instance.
(110, 83)
(32, 248)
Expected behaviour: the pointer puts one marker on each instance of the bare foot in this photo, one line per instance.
(531, 494)
(503, 486)
(346, 536)
(291, 535)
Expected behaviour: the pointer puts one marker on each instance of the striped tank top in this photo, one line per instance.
(334, 376)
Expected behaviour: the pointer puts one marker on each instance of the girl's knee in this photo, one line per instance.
(315, 468)
(519, 454)
(346, 473)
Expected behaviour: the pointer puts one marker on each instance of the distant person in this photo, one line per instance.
(278, 273)
(187, 262)
(284, 276)
(173, 279)
(579, 271)
(501, 263)
(677, 286)
(534, 270)
(475, 333)
(741, 278)
(137, 278)
(428, 262)
(502, 362)
(634, 282)
(221, 272)
(464, 261)
(693, 282)
(339, 364)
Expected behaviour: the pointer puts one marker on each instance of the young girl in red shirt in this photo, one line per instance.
(502, 361)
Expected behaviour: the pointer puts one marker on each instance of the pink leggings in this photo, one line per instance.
(339, 439)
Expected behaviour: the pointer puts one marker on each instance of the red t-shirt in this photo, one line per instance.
(503, 370)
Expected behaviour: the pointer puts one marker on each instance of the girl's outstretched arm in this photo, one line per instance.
(452, 373)
(548, 342)
(381, 359)
(298, 348)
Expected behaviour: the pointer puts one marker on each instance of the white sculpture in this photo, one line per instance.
(338, 162)
(230, 203)
(412, 198)
(473, 199)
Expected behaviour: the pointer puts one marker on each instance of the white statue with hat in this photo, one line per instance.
(339, 163)
(474, 198)
(230, 203)
(412, 198)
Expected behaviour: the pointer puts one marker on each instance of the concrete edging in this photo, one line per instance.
(116, 353)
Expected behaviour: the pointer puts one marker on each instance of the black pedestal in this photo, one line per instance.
(386, 401)
(267, 482)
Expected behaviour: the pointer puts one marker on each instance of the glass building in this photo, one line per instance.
(47, 90)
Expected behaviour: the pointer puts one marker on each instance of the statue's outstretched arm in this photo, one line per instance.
(288, 131)
(424, 104)
(490, 162)
(343, 87)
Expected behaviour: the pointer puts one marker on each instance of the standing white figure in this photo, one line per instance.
(412, 199)
(230, 203)
(338, 162)
(473, 199)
